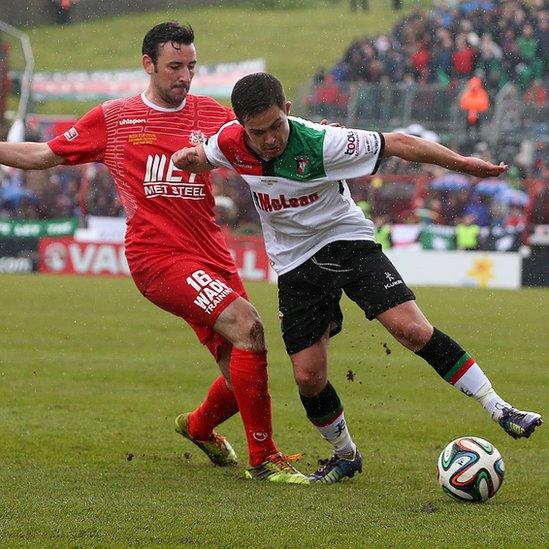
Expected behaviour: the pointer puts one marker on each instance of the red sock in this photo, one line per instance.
(249, 381)
(218, 406)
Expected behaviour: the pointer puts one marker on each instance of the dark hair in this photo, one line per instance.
(163, 33)
(256, 93)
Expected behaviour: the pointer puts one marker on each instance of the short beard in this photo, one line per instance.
(172, 100)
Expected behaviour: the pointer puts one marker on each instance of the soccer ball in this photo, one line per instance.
(470, 469)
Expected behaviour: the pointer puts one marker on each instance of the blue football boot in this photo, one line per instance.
(519, 424)
(338, 468)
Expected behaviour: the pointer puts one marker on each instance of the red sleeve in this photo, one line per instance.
(230, 116)
(85, 141)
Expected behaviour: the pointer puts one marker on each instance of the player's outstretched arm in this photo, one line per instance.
(29, 156)
(192, 159)
(416, 149)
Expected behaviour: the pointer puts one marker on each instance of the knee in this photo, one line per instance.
(257, 335)
(414, 335)
(310, 381)
(252, 334)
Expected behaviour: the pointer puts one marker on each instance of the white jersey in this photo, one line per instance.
(302, 197)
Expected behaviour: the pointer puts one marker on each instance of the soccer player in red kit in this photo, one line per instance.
(177, 255)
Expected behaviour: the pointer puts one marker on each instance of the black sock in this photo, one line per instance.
(324, 406)
(441, 352)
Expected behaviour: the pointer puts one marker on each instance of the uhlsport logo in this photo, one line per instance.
(131, 121)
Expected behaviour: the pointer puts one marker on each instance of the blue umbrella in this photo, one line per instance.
(450, 182)
(512, 197)
(14, 194)
(491, 187)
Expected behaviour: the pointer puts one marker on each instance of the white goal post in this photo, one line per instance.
(17, 129)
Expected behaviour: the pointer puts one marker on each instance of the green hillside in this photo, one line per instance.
(294, 42)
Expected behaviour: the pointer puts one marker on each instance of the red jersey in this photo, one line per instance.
(170, 213)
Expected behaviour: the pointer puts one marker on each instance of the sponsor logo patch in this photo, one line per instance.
(391, 281)
(162, 179)
(210, 292)
(240, 162)
(141, 138)
(71, 134)
(368, 141)
(264, 202)
(371, 143)
(352, 147)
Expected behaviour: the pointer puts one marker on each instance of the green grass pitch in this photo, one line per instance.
(92, 376)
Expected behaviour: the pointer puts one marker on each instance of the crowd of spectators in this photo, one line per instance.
(402, 193)
(449, 43)
(421, 197)
(415, 194)
(58, 193)
(500, 40)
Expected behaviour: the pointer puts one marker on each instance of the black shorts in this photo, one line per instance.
(309, 295)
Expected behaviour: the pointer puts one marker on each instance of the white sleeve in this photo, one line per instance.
(351, 153)
(213, 152)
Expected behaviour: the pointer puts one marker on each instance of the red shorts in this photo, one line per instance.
(195, 293)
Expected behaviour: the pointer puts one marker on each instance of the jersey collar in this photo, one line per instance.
(162, 109)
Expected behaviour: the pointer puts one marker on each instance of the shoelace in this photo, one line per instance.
(332, 461)
(511, 415)
(516, 415)
(218, 440)
(280, 461)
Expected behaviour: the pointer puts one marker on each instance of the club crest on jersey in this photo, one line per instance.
(302, 165)
(196, 137)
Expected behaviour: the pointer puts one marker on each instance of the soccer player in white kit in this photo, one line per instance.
(321, 245)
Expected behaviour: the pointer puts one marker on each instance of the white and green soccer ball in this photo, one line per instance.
(470, 469)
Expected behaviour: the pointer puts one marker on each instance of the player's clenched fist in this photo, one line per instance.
(186, 158)
(191, 159)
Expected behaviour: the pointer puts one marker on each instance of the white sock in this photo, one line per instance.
(491, 401)
(474, 383)
(338, 435)
(472, 380)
